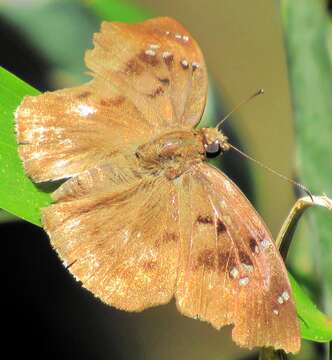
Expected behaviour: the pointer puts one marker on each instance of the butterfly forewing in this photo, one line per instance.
(230, 270)
(158, 64)
(148, 77)
(64, 132)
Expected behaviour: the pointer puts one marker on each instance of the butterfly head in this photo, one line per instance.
(215, 142)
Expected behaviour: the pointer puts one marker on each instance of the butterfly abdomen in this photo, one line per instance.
(172, 153)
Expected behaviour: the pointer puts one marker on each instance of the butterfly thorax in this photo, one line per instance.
(174, 152)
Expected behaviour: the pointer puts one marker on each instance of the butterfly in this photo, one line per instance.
(141, 217)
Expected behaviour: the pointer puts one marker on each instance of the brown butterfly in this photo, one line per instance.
(143, 217)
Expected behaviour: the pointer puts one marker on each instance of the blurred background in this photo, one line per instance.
(47, 313)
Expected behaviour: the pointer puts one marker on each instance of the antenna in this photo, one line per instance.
(273, 171)
(243, 102)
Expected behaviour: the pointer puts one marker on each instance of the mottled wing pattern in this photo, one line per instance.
(64, 132)
(230, 271)
(148, 77)
(121, 244)
(133, 239)
(158, 65)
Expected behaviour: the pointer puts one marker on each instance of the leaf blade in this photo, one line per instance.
(112, 10)
(18, 194)
(314, 324)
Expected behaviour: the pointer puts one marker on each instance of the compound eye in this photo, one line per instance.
(213, 149)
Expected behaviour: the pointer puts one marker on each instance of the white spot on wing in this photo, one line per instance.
(85, 110)
(184, 64)
(125, 236)
(185, 38)
(195, 65)
(166, 54)
(150, 52)
(285, 295)
(275, 312)
(234, 273)
(154, 46)
(244, 281)
(42, 129)
(265, 244)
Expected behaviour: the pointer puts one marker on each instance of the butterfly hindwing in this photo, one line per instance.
(230, 271)
(148, 239)
(118, 172)
(121, 244)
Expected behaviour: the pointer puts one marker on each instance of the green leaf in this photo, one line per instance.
(18, 195)
(314, 324)
(115, 10)
(306, 28)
